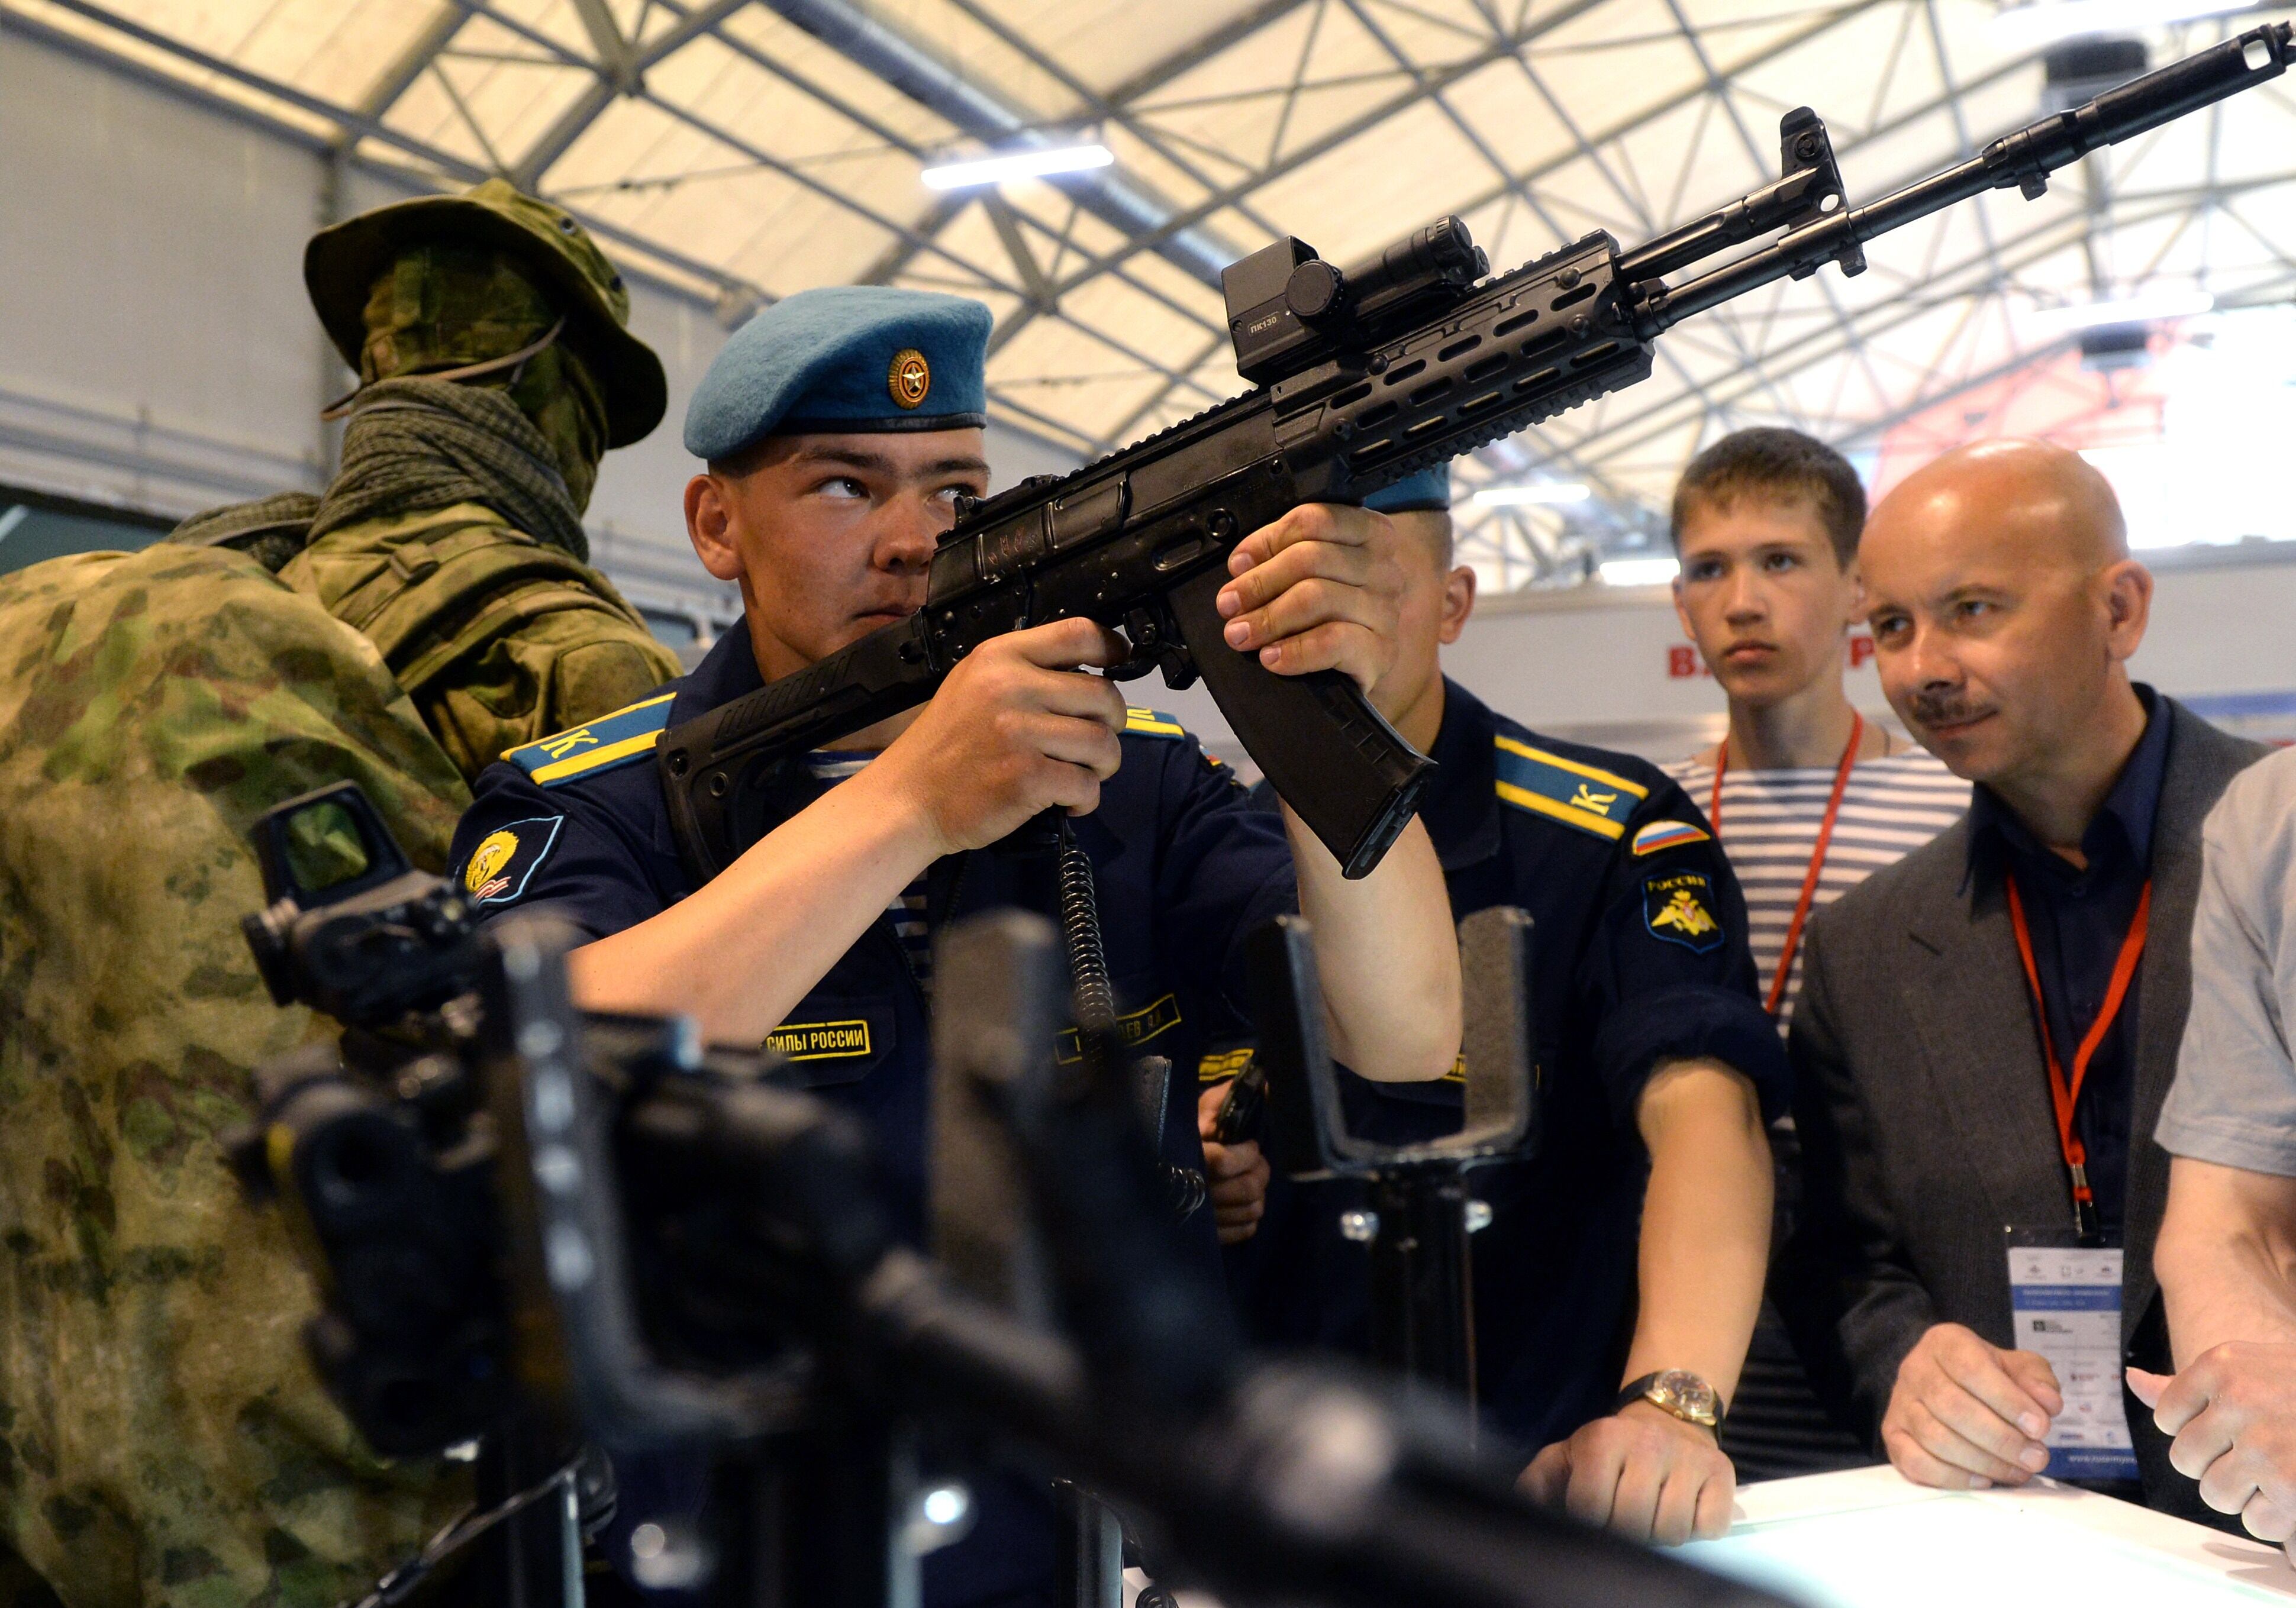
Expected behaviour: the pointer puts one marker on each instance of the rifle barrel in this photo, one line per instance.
(2024, 158)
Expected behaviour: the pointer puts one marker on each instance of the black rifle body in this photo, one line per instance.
(1140, 540)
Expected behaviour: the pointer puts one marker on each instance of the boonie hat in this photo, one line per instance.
(342, 264)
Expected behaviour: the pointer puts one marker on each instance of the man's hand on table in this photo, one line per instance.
(1965, 1414)
(1642, 1473)
(2232, 1412)
(1237, 1174)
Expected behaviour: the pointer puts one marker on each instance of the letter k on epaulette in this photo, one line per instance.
(620, 739)
(1582, 795)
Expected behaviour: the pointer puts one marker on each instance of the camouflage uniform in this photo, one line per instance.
(163, 1438)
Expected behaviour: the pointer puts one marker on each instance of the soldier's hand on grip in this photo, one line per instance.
(1321, 588)
(1238, 1172)
(1015, 730)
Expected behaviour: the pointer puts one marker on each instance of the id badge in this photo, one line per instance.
(2064, 1301)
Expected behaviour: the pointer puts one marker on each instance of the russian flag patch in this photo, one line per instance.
(1667, 835)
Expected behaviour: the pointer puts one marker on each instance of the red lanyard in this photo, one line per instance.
(2066, 1096)
(1816, 857)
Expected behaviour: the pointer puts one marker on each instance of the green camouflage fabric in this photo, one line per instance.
(499, 638)
(343, 264)
(163, 1438)
(444, 306)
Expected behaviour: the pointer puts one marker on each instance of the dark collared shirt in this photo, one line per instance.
(578, 824)
(1638, 954)
(2079, 917)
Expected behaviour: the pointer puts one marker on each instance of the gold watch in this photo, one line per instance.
(1678, 1392)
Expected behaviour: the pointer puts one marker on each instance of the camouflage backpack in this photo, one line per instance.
(163, 1438)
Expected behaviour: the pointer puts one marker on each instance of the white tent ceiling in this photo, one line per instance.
(747, 149)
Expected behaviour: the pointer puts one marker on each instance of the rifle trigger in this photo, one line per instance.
(1147, 636)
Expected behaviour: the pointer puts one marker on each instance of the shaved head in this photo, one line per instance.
(2004, 606)
(2050, 501)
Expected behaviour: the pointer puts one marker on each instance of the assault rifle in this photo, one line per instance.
(1362, 376)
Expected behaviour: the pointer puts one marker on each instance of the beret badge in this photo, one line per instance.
(909, 378)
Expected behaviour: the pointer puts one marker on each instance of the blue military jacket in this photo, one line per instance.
(578, 824)
(1638, 953)
(1186, 867)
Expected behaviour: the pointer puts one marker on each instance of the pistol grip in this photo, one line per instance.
(1333, 758)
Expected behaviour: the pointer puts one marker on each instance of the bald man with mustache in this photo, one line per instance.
(1988, 1027)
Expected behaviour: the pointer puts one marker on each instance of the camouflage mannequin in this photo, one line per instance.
(162, 1438)
(496, 371)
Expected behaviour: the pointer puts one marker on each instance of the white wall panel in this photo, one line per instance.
(157, 351)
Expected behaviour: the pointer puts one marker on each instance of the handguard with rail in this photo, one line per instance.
(1362, 377)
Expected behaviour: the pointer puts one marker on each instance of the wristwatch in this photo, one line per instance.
(1679, 1391)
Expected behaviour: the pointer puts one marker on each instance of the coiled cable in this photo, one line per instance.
(1077, 895)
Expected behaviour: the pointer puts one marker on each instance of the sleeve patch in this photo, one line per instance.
(1152, 722)
(1661, 835)
(506, 859)
(1582, 795)
(620, 739)
(1679, 908)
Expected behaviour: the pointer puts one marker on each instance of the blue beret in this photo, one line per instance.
(1429, 489)
(844, 358)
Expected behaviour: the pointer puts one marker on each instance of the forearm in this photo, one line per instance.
(1385, 955)
(740, 952)
(2227, 1258)
(1706, 1223)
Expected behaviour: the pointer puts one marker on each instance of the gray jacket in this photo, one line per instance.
(1923, 1107)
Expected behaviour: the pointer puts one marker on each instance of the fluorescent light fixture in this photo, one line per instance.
(2041, 22)
(2147, 306)
(1516, 496)
(1016, 165)
(1638, 572)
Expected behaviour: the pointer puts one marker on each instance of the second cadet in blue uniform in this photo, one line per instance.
(1634, 1243)
(839, 428)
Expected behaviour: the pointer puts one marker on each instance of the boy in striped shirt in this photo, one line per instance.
(1807, 797)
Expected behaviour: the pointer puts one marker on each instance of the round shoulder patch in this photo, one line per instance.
(506, 859)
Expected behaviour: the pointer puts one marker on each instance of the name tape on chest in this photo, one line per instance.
(1221, 1064)
(1147, 1022)
(623, 737)
(1582, 795)
(821, 1041)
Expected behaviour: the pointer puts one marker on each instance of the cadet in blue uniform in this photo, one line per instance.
(1657, 1068)
(839, 427)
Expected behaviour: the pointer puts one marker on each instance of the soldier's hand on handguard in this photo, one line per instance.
(1321, 588)
(1965, 1414)
(1018, 728)
(2232, 1411)
(1238, 1173)
(1641, 1473)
